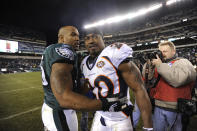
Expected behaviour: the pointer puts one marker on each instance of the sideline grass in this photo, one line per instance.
(19, 93)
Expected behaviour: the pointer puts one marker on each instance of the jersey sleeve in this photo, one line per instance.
(120, 52)
(61, 54)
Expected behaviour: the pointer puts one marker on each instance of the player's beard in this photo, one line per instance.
(76, 48)
(95, 53)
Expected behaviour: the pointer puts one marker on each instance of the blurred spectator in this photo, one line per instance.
(19, 65)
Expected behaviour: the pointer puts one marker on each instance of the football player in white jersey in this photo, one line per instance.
(109, 72)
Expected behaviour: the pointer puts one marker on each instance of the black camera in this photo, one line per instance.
(152, 55)
(139, 56)
(187, 107)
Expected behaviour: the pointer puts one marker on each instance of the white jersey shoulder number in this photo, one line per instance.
(117, 52)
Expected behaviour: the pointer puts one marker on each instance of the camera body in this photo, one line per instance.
(188, 107)
(152, 55)
(139, 56)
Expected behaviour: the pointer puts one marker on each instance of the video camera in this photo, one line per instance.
(152, 55)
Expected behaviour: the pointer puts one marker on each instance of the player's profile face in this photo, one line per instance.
(94, 43)
(72, 37)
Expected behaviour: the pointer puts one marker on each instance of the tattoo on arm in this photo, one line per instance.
(135, 71)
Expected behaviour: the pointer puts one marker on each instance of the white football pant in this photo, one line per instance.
(101, 124)
(59, 120)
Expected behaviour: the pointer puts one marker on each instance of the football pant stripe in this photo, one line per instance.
(60, 120)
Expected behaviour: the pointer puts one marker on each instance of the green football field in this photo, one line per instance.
(21, 98)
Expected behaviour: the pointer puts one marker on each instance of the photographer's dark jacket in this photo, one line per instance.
(176, 81)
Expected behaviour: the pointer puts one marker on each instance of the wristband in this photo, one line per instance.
(147, 129)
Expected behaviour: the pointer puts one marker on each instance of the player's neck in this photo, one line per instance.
(93, 56)
(91, 60)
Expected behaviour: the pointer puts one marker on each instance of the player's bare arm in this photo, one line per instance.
(132, 77)
(61, 84)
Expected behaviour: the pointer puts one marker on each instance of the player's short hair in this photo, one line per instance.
(63, 29)
(93, 31)
(169, 43)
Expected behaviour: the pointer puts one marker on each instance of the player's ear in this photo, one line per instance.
(104, 42)
(60, 39)
(102, 38)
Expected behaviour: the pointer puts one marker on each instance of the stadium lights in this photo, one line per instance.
(123, 17)
(193, 36)
(107, 36)
(178, 38)
(161, 41)
(154, 42)
(139, 44)
(154, 7)
(184, 20)
(172, 2)
(129, 15)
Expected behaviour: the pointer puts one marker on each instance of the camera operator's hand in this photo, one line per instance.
(157, 61)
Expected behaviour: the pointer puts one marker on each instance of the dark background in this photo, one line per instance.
(48, 16)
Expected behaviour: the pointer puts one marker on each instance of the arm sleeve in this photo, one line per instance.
(62, 54)
(180, 73)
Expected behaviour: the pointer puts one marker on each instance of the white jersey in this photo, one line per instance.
(104, 77)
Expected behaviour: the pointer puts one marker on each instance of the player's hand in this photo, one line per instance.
(127, 109)
(113, 104)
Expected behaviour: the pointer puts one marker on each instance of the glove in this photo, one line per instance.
(113, 104)
(127, 109)
(110, 106)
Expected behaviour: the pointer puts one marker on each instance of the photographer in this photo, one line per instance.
(174, 79)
